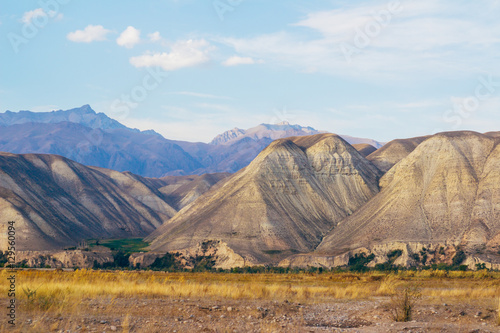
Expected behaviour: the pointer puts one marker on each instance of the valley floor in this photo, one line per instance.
(97, 301)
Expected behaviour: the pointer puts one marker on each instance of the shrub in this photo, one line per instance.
(393, 255)
(459, 257)
(121, 259)
(167, 262)
(403, 302)
(203, 263)
(359, 261)
(481, 266)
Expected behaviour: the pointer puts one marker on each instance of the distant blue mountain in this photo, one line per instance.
(94, 139)
(83, 115)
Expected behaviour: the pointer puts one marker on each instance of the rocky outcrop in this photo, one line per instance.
(64, 259)
(144, 259)
(401, 254)
(223, 256)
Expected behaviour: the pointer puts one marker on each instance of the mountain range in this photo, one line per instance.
(94, 139)
(317, 201)
(313, 199)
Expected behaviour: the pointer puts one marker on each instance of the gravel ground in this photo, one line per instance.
(220, 315)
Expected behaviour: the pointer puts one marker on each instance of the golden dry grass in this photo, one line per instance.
(61, 286)
(62, 292)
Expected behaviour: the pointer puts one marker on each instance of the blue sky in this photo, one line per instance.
(191, 69)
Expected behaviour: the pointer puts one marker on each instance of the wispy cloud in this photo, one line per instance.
(435, 37)
(182, 54)
(236, 60)
(155, 36)
(91, 33)
(29, 16)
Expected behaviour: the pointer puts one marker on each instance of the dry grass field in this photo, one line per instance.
(147, 301)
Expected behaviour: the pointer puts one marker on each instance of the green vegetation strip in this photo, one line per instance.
(128, 245)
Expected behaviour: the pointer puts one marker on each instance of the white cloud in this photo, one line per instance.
(236, 60)
(91, 33)
(182, 54)
(129, 37)
(29, 16)
(154, 37)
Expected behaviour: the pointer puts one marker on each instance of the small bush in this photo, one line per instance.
(359, 261)
(393, 255)
(403, 302)
(30, 295)
(167, 262)
(459, 258)
(121, 259)
(481, 266)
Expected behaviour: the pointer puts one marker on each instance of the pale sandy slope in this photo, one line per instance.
(446, 191)
(56, 202)
(284, 202)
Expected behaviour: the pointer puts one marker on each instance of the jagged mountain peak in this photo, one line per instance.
(263, 131)
(278, 131)
(83, 115)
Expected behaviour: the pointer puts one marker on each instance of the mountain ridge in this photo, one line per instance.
(285, 200)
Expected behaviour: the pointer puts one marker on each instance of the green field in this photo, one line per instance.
(127, 245)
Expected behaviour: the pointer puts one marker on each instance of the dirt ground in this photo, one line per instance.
(222, 315)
